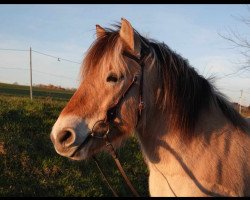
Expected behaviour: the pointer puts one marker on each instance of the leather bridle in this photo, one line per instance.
(109, 120)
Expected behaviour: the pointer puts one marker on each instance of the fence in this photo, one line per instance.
(28, 63)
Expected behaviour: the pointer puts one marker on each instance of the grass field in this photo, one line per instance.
(20, 90)
(29, 165)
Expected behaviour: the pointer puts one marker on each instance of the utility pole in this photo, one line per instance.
(241, 92)
(31, 74)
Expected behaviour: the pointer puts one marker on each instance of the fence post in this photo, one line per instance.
(31, 95)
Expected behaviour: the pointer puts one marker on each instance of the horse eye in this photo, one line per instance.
(112, 78)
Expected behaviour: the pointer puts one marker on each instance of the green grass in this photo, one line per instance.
(21, 90)
(29, 165)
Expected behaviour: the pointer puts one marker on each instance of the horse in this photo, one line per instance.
(193, 141)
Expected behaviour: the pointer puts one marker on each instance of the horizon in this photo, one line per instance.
(58, 87)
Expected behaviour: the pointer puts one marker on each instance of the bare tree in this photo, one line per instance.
(240, 42)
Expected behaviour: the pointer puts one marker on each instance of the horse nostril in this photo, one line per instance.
(66, 137)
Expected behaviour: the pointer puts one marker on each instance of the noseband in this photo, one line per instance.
(109, 120)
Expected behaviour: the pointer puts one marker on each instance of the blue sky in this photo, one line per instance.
(66, 31)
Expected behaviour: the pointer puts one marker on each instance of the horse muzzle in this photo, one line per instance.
(68, 133)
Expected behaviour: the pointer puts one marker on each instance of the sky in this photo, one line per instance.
(67, 30)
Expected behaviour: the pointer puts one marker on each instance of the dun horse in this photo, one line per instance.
(193, 141)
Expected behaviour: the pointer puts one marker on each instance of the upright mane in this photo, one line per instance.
(104, 49)
(182, 92)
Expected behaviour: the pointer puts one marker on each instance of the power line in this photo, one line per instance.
(58, 58)
(15, 68)
(70, 78)
(45, 54)
(30, 53)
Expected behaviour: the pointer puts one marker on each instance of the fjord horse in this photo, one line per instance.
(193, 141)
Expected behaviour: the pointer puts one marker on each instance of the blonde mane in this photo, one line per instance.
(106, 51)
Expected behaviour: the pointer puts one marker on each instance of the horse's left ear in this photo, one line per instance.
(99, 31)
(131, 40)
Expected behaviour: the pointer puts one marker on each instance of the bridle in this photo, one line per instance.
(109, 121)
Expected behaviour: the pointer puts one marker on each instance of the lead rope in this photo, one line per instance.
(104, 176)
(118, 164)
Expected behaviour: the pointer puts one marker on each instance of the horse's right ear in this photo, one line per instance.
(131, 40)
(99, 31)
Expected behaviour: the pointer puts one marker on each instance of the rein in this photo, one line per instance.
(111, 115)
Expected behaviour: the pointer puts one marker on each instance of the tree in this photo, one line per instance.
(241, 42)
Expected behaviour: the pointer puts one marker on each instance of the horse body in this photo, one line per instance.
(193, 141)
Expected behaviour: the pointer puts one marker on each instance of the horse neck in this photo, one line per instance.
(159, 142)
(154, 131)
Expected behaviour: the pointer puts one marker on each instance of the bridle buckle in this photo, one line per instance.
(141, 105)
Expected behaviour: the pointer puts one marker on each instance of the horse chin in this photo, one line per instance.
(81, 155)
(87, 149)
(96, 145)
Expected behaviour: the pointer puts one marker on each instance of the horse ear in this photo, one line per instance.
(131, 40)
(99, 31)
